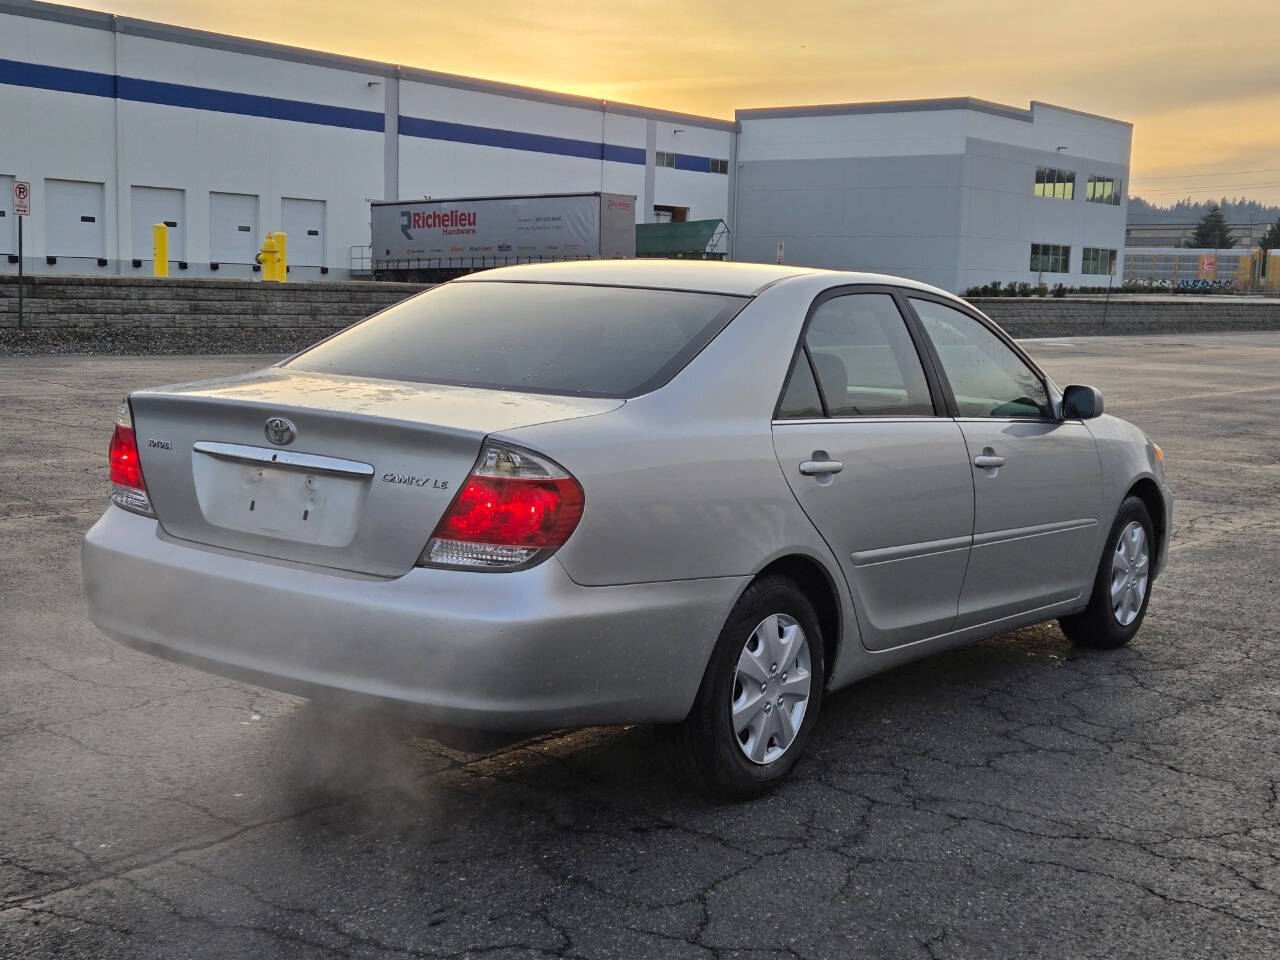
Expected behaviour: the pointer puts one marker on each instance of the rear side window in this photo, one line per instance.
(535, 337)
(801, 400)
(865, 359)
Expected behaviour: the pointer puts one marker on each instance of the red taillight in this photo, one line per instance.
(125, 469)
(526, 513)
(514, 507)
(128, 489)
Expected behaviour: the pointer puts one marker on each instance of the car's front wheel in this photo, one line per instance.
(1122, 587)
(759, 698)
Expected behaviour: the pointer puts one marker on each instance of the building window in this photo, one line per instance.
(719, 166)
(1103, 190)
(664, 159)
(1098, 260)
(1059, 184)
(1050, 258)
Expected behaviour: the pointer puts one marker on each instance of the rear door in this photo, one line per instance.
(877, 465)
(1037, 480)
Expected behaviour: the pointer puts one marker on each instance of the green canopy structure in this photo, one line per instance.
(690, 239)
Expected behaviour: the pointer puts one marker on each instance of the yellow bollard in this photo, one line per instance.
(282, 244)
(159, 250)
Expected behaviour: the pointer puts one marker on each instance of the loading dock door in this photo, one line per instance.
(74, 219)
(303, 224)
(8, 222)
(233, 227)
(152, 205)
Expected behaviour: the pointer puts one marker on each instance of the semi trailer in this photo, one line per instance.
(430, 240)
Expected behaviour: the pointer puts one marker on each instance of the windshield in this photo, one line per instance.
(536, 337)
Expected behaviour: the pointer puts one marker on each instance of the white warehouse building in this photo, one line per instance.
(957, 192)
(119, 124)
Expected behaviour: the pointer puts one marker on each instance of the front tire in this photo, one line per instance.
(1122, 587)
(760, 696)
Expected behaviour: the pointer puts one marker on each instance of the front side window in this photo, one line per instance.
(987, 378)
(865, 360)
(534, 337)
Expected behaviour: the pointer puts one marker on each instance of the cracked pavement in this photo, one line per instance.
(1016, 798)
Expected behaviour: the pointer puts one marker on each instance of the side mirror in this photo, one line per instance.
(1081, 403)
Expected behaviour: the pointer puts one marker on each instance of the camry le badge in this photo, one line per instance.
(280, 431)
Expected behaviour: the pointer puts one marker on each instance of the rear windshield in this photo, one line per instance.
(539, 337)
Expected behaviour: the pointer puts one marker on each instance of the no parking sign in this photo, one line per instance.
(22, 198)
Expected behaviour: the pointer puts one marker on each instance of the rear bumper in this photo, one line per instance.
(507, 651)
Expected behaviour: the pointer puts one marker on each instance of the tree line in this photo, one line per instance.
(1212, 217)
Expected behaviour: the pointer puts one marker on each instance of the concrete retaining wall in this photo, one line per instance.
(311, 310)
(1093, 316)
(91, 302)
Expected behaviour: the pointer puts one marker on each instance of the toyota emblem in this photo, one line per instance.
(280, 431)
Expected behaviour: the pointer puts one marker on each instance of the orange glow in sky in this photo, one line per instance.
(1201, 83)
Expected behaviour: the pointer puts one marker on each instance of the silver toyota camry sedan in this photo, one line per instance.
(699, 495)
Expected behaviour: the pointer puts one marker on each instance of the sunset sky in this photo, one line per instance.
(1200, 81)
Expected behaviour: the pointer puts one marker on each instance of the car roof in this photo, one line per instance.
(700, 276)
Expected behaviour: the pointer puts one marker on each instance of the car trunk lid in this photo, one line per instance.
(366, 469)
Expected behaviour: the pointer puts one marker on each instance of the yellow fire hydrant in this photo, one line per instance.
(271, 258)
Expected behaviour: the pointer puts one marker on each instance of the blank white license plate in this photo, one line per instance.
(289, 504)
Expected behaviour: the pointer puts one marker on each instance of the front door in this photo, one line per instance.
(1037, 480)
(883, 478)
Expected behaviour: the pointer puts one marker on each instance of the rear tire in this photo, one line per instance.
(1122, 586)
(754, 713)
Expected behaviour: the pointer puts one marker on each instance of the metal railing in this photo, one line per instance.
(361, 259)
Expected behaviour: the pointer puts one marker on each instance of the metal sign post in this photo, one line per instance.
(22, 209)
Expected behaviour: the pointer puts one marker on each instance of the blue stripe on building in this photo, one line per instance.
(686, 161)
(57, 78)
(66, 80)
(624, 154)
(247, 104)
(517, 140)
(180, 95)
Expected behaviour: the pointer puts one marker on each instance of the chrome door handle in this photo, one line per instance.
(988, 462)
(815, 468)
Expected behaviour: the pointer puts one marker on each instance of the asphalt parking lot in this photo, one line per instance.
(1015, 798)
